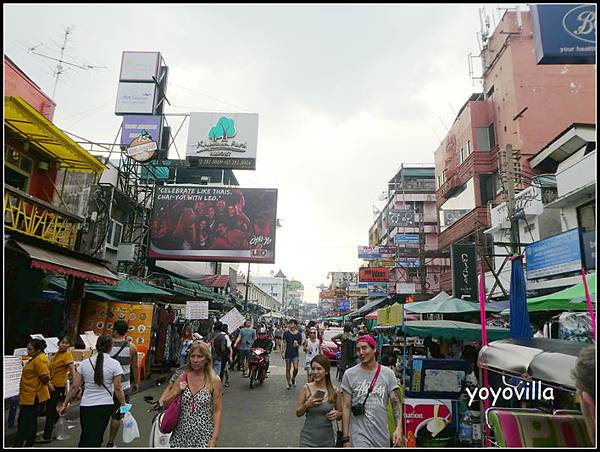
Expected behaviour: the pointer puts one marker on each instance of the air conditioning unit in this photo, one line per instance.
(127, 252)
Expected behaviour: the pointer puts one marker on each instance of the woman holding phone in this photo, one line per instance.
(321, 403)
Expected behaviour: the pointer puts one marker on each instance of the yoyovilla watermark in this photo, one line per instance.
(525, 390)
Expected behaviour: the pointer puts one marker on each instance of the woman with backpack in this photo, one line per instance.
(101, 377)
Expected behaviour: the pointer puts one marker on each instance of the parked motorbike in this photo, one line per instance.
(257, 365)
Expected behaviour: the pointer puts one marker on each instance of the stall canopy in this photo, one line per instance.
(61, 283)
(129, 286)
(371, 306)
(447, 306)
(570, 299)
(451, 329)
(549, 360)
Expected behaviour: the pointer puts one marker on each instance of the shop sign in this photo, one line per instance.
(464, 271)
(405, 288)
(377, 289)
(359, 291)
(375, 274)
(139, 66)
(368, 252)
(588, 240)
(135, 98)
(564, 33)
(387, 252)
(408, 262)
(407, 239)
(554, 255)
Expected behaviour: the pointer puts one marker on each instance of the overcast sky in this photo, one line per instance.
(344, 93)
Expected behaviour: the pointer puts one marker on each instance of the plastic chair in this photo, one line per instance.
(142, 354)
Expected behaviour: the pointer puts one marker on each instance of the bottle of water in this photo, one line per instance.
(61, 429)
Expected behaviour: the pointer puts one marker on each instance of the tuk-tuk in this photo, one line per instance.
(547, 363)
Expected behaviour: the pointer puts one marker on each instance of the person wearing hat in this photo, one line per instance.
(367, 388)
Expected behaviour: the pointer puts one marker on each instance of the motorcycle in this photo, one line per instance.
(257, 365)
(157, 438)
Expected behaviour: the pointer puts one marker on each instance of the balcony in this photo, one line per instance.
(465, 226)
(35, 218)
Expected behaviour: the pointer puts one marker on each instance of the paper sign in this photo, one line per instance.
(91, 339)
(233, 319)
(18, 352)
(37, 336)
(196, 310)
(12, 375)
(52, 344)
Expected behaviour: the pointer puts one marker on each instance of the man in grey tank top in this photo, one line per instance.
(125, 353)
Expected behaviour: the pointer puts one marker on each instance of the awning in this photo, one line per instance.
(218, 281)
(369, 307)
(63, 264)
(451, 329)
(25, 121)
(129, 286)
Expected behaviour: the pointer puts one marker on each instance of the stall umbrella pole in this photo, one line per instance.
(404, 386)
(589, 303)
(485, 404)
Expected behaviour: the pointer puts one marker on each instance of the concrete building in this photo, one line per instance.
(524, 105)
(262, 301)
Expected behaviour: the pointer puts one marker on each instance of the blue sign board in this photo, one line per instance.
(408, 262)
(554, 256)
(134, 125)
(410, 239)
(377, 289)
(369, 252)
(588, 243)
(564, 33)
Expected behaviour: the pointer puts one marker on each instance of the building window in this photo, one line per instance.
(486, 137)
(17, 169)
(469, 150)
(115, 231)
(492, 136)
(462, 156)
(586, 216)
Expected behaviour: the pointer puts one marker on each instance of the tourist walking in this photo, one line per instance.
(200, 391)
(245, 339)
(125, 353)
(321, 403)
(186, 341)
(34, 391)
(278, 335)
(312, 347)
(292, 339)
(101, 376)
(367, 388)
(61, 365)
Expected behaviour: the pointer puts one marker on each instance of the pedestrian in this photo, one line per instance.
(34, 391)
(210, 339)
(367, 388)
(200, 390)
(125, 353)
(101, 376)
(585, 383)
(245, 339)
(292, 339)
(186, 341)
(312, 347)
(278, 336)
(321, 402)
(61, 364)
(235, 358)
(347, 343)
(222, 346)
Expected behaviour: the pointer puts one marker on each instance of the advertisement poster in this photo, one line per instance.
(214, 224)
(464, 272)
(374, 274)
(421, 413)
(377, 289)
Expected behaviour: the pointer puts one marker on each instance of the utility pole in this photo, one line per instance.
(510, 190)
(247, 287)
(59, 67)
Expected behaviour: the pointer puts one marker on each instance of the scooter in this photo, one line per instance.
(257, 365)
(157, 439)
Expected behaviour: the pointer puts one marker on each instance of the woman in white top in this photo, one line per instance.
(101, 376)
(312, 347)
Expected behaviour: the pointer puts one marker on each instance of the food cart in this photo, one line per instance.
(549, 363)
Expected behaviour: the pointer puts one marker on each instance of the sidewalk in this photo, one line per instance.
(72, 415)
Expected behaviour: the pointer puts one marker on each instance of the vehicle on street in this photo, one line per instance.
(257, 365)
(330, 348)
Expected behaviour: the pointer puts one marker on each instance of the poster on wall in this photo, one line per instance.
(214, 224)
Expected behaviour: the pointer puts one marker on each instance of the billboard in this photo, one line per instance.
(139, 66)
(564, 33)
(374, 274)
(214, 224)
(223, 140)
(407, 239)
(387, 252)
(344, 280)
(134, 97)
(555, 255)
(368, 252)
(464, 272)
(377, 289)
(142, 135)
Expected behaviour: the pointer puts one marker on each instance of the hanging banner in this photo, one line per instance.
(464, 272)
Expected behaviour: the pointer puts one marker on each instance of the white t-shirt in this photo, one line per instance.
(93, 394)
(313, 349)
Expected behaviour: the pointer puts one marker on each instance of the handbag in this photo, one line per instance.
(339, 434)
(171, 417)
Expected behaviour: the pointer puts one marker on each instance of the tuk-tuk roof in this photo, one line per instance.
(547, 360)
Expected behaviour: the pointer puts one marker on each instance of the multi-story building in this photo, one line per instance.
(524, 105)
(409, 223)
(259, 301)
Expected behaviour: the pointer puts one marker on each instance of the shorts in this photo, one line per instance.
(243, 354)
(292, 358)
(217, 366)
(117, 413)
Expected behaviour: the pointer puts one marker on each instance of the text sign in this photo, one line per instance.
(464, 271)
(407, 239)
(233, 319)
(588, 241)
(12, 375)
(375, 274)
(368, 252)
(196, 310)
(554, 256)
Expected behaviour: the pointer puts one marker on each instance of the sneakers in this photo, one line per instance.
(289, 387)
(293, 382)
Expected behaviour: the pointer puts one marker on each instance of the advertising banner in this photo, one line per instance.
(420, 413)
(374, 274)
(377, 289)
(564, 33)
(368, 252)
(464, 272)
(554, 255)
(139, 66)
(214, 224)
(223, 140)
(387, 252)
(407, 239)
(135, 98)
(408, 262)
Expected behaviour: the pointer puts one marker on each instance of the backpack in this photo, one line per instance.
(220, 344)
(349, 349)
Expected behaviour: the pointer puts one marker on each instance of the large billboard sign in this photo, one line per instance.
(464, 272)
(141, 134)
(564, 33)
(374, 274)
(555, 255)
(214, 224)
(223, 140)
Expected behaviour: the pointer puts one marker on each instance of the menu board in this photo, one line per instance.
(12, 375)
(196, 310)
(233, 319)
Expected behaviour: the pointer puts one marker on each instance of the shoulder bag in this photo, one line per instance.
(171, 417)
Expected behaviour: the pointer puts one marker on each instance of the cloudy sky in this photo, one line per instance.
(344, 93)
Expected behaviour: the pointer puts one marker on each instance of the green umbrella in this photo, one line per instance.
(452, 329)
(447, 306)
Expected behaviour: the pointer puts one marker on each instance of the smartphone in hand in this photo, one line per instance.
(319, 394)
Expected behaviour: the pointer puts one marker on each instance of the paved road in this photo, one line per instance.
(259, 417)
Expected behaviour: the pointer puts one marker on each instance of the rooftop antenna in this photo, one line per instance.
(59, 67)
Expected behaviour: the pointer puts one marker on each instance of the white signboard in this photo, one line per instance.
(135, 98)
(408, 288)
(51, 344)
(12, 375)
(233, 319)
(223, 140)
(196, 310)
(89, 339)
(529, 200)
(139, 66)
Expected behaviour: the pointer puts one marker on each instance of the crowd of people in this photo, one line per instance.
(355, 414)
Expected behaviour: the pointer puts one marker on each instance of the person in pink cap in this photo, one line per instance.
(367, 388)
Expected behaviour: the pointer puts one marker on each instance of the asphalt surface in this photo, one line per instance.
(252, 418)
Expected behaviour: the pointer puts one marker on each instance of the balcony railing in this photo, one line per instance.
(33, 217)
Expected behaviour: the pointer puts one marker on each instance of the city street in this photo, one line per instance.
(259, 417)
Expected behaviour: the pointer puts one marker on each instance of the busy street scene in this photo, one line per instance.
(299, 226)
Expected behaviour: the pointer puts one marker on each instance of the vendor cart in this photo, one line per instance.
(549, 363)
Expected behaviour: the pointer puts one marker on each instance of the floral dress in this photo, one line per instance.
(195, 427)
